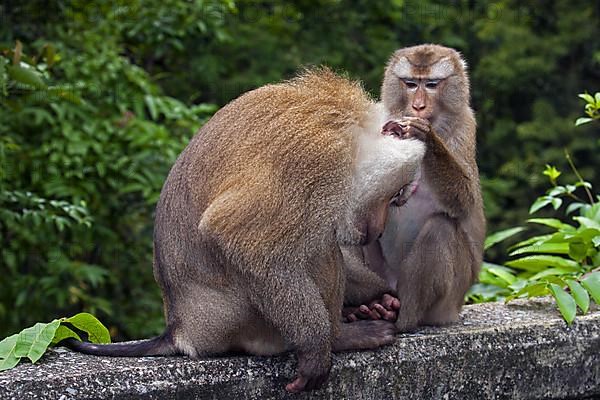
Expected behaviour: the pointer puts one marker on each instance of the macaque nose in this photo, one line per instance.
(418, 105)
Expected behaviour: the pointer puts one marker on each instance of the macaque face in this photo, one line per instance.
(422, 95)
(424, 84)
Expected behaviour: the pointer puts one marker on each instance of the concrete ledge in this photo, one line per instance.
(520, 351)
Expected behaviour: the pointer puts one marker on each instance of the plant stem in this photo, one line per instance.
(589, 194)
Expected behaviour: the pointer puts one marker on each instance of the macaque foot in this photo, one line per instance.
(408, 127)
(312, 373)
(364, 335)
(385, 308)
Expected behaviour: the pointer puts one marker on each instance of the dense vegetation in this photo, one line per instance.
(98, 98)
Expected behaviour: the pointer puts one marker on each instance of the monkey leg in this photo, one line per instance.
(363, 286)
(292, 303)
(435, 275)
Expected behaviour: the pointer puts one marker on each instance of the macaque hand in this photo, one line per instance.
(385, 308)
(408, 127)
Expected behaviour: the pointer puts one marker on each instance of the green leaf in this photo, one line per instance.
(26, 76)
(63, 332)
(501, 272)
(580, 295)
(573, 207)
(566, 303)
(587, 222)
(583, 120)
(587, 97)
(553, 248)
(539, 262)
(500, 236)
(552, 222)
(556, 203)
(550, 272)
(532, 240)
(33, 342)
(593, 212)
(531, 290)
(541, 202)
(578, 250)
(592, 285)
(7, 346)
(97, 333)
(596, 241)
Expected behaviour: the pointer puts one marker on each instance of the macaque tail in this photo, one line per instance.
(158, 346)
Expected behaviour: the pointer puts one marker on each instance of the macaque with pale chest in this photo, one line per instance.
(431, 249)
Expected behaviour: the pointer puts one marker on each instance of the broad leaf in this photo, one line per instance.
(583, 120)
(97, 333)
(587, 222)
(578, 250)
(7, 353)
(566, 303)
(593, 212)
(553, 248)
(552, 222)
(580, 295)
(500, 236)
(63, 332)
(539, 262)
(532, 240)
(541, 202)
(501, 272)
(592, 285)
(550, 272)
(33, 342)
(25, 76)
(531, 290)
(573, 207)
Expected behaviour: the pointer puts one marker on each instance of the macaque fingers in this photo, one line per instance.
(385, 308)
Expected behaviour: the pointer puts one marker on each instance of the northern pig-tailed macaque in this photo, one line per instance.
(251, 221)
(431, 249)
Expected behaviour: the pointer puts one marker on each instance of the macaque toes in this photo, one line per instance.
(254, 216)
(431, 249)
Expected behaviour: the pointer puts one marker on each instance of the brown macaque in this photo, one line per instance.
(253, 217)
(431, 249)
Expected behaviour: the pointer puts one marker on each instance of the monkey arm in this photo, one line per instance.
(362, 284)
(452, 184)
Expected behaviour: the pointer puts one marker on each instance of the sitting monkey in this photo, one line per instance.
(252, 217)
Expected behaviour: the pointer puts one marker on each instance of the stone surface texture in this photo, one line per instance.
(523, 350)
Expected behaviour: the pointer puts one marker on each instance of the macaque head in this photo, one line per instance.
(384, 169)
(425, 81)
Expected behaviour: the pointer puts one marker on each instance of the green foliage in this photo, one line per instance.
(592, 108)
(564, 262)
(33, 342)
(86, 141)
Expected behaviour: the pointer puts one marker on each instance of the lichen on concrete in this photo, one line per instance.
(523, 350)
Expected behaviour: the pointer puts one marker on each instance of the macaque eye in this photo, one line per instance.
(432, 84)
(410, 84)
(399, 198)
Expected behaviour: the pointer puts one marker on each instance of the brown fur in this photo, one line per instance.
(431, 250)
(252, 215)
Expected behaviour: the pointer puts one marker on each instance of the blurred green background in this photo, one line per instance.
(97, 100)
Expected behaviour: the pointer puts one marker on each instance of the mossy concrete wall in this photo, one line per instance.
(519, 351)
